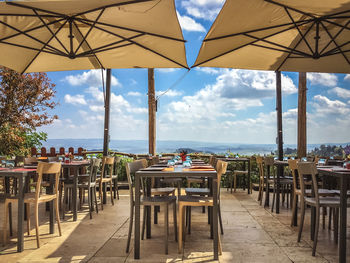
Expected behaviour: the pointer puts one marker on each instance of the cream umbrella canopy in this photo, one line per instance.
(85, 34)
(285, 35)
(55, 35)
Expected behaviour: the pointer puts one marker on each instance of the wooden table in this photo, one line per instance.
(245, 161)
(178, 172)
(343, 176)
(22, 175)
(75, 165)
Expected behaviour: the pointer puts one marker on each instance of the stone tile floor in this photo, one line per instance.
(252, 234)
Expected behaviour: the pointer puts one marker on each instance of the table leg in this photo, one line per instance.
(137, 218)
(267, 185)
(342, 227)
(20, 235)
(279, 173)
(215, 218)
(295, 215)
(52, 211)
(75, 193)
(249, 178)
(149, 209)
(104, 194)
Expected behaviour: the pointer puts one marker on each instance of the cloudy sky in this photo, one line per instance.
(204, 104)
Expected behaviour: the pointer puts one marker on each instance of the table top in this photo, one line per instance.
(334, 170)
(178, 171)
(278, 162)
(76, 164)
(233, 159)
(16, 171)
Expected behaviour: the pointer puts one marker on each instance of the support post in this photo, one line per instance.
(302, 151)
(151, 113)
(107, 110)
(279, 115)
(279, 137)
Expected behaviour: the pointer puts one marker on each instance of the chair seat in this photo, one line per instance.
(30, 198)
(162, 191)
(195, 199)
(155, 200)
(194, 180)
(238, 172)
(322, 192)
(338, 192)
(197, 191)
(325, 201)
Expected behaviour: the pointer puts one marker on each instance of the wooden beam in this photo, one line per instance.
(279, 115)
(151, 113)
(107, 110)
(302, 151)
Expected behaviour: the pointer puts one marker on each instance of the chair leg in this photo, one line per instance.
(28, 218)
(166, 227)
(64, 202)
(317, 225)
(330, 218)
(220, 220)
(36, 212)
(4, 228)
(95, 197)
(111, 190)
(10, 218)
(181, 226)
(100, 193)
(58, 217)
(89, 201)
(143, 223)
(234, 183)
(324, 213)
(131, 220)
(175, 220)
(294, 208)
(302, 216)
(189, 220)
(273, 196)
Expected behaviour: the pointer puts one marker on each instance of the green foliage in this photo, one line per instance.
(329, 150)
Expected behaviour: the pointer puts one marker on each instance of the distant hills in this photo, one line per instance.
(141, 146)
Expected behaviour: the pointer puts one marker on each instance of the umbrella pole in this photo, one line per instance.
(279, 136)
(107, 111)
(302, 115)
(151, 113)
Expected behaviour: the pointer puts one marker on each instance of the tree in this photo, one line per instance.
(24, 103)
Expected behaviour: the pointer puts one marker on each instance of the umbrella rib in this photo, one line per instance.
(27, 35)
(29, 15)
(335, 43)
(291, 8)
(106, 49)
(129, 29)
(52, 33)
(281, 50)
(31, 48)
(96, 50)
(140, 45)
(242, 46)
(297, 44)
(330, 52)
(90, 29)
(302, 22)
(276, 44)
(336, 35)
(87, 43)
(297, 27)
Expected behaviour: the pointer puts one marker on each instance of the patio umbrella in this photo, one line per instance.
(285, 35)
(87, 34)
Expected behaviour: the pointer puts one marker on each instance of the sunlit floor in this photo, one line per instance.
(251, 234)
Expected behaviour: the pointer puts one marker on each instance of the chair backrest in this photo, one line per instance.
(221, 167)
(107, 166)
(269, 164)
(30, 160)
(308, 168)
(144, 163)
(19, 160)
(95, 165)
(53, 159)
(131, 169)
(155, 159)
(52, 169)
(269, 161)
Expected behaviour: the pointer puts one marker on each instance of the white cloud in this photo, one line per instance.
(166, 70)
(325, 107)
(75, 99)
(169, 93)
(211, 71)
(91, 78)
(340, 92)
(347, 77)
(204, 9)
(324, 79)
(189, 24)
(134, 94)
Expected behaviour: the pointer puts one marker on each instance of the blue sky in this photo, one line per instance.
(207, 104)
